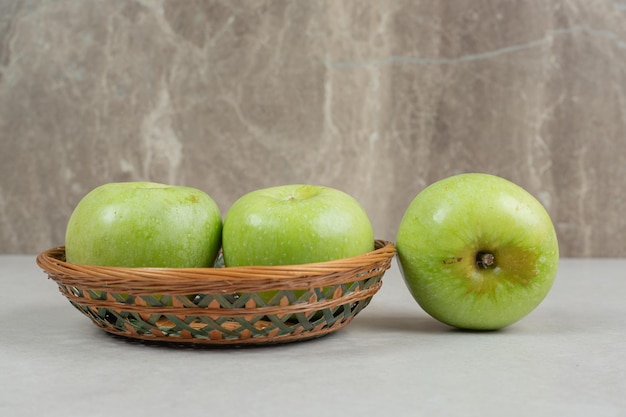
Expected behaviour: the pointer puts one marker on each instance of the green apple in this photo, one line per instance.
(477, 251)
(144, 224)
(295, 224)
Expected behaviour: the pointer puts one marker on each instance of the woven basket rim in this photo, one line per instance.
(148, 280)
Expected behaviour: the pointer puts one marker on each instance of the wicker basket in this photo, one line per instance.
(221, 306)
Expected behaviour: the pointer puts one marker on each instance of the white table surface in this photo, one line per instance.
(567, 358)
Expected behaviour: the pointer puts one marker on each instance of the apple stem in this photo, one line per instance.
(485, 259)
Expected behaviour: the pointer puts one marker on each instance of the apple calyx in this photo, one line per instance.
(485, 260)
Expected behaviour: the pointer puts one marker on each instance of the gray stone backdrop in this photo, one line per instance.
(377, 98)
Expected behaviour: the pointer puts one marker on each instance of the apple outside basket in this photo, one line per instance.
(222, 306)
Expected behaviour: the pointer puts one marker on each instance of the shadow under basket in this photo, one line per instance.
(221, 305)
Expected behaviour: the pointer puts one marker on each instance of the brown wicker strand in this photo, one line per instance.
(139, 281)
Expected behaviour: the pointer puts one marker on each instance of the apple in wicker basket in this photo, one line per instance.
(144, 224)
(477, 251)
(295, 224)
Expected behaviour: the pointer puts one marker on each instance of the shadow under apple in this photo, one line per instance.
(390, 322)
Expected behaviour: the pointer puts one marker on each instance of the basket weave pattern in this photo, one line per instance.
(238, 305)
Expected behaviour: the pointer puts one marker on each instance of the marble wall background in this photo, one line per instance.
(378, 98)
